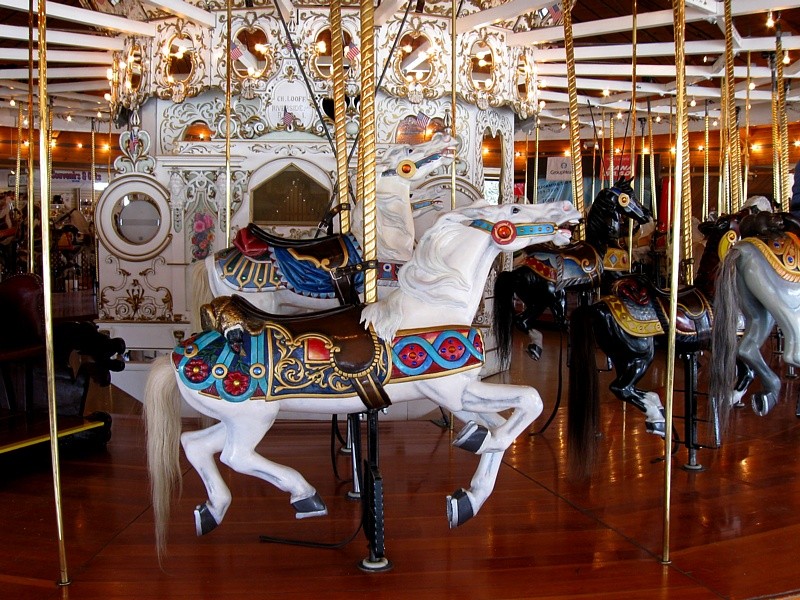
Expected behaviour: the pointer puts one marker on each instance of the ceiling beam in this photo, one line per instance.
(58, 56)
(83, 16)
(504, 12)
(387, 9)
(57, 73)
(187, 11)
(66, 38)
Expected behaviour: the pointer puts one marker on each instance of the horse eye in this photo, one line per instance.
(515, 210)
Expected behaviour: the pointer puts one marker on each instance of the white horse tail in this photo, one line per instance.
(162, 410)
(723, 339)
(200, 290)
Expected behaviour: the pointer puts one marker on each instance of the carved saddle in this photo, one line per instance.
(573, 265)
(642, 310)
(331, 344)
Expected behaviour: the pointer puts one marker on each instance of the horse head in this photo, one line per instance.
(413, 163)
(610, 211)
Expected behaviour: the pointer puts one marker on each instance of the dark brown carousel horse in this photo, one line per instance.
(625, 324)
(544, 273)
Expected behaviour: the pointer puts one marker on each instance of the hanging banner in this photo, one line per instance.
(559, 168)
(622, 167)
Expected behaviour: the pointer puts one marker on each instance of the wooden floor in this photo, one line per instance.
(734, 527)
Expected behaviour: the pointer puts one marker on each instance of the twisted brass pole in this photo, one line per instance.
(783, 127)
(19, 157)
(734, 144)
(777, 181)
(653, 191)
(367, 12)
(31, 145)
(536, 164)
(339, 113)
(574, 124)
(746, 148)
(681, 148)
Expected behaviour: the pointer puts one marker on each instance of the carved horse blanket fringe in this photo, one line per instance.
(276, 364)
(642, 310)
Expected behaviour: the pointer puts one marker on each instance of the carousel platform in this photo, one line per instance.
(733, 532)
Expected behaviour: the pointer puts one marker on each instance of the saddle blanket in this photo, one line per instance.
(783, 254)
(274, 366)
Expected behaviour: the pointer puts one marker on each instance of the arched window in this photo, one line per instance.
(290, 197)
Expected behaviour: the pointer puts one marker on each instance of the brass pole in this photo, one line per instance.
(681, 149)
(776, 163)
(734, 144)
(367, 11)
(783, 127)
(653, 190)
(453, 98)
(612, 178)
(525, 184)
(705, 165)
(724, 164)
(31, 145)
(93, 175)
(632, 117)
(746, 149)
(44, 182)
(339, 112)
(536, 165)
(228, 83)
(17, 204)
(574, 125)
(602, 148)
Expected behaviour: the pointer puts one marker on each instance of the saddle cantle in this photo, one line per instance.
(335, 337)
(568, 266)
(642, 310)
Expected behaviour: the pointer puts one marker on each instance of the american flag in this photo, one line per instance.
(236, 51)
(352, 51)
(423, 119)
(288, 118)
(554, 12)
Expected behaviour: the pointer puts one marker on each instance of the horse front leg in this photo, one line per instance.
(490, 440)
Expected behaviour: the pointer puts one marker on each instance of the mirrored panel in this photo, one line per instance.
(180, 59)
(133, 70)
(481, 66)
(413, 62)
(249, 51)
(323, 51)
(136, 218)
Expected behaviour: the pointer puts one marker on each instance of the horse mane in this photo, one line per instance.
(432, 276)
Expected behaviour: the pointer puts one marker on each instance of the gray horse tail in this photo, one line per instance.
(162, 411)
(724, 339)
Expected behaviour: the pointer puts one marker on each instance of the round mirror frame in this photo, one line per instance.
(107, 210)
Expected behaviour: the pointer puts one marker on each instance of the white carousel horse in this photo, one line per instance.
(423, 345)
(261, 279)
(761, 280)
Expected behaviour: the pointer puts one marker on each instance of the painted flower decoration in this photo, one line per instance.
(203, 236)
(236, 383)
(196, 370)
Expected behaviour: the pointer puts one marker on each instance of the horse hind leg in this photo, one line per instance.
(200, 447)
(252, 422)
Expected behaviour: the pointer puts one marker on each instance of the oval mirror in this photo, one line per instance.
(323, 52)
(522, 78)
(180, 59)
(249, 50)
(133, 70)
(482, 66)
(414, 63)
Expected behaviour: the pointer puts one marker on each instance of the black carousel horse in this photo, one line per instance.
(545, 273)
(625, 323)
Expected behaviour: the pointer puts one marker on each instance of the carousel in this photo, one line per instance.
(283, 211)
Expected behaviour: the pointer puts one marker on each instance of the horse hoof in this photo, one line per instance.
(459, 508)
(313, 506)
(471, 438)
(534, 351)
(763, 403)
(659, 428)
(204, 521)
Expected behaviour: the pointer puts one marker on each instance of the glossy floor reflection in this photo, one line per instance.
(732, 526)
